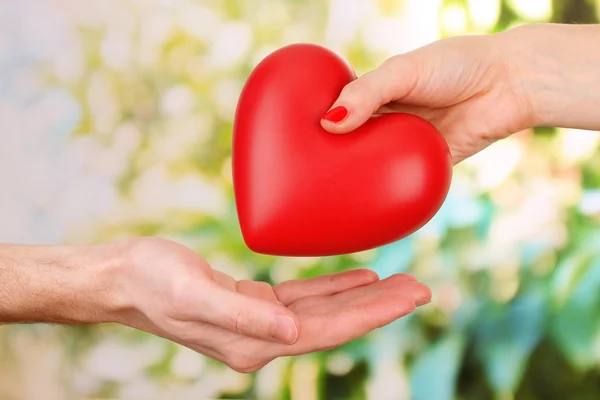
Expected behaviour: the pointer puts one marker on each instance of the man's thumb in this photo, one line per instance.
(251, 316)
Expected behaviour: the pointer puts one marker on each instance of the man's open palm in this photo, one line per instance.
(177, 295)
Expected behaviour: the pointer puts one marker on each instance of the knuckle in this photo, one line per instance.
(263, 288)
(242, 323)
(389, 66)
(263, 285)
(465, 145)
(401, 278)
(244, 364)
(284, 291)
(408, 305)
(255, 289)
(390, 70)
(245, 370)
(356, 93)
(237, 324)
(401, 76)
(176, 299)
(241, 286)
(408, 277)
(368, 275)
(422, 292)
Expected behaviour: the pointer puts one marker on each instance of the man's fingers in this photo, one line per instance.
(404, 285)
(421, 293)
(324, 285)
(396, 281)
(357, 102)
(259, 290)
(349, 315)
(224, 280)
(256, 317)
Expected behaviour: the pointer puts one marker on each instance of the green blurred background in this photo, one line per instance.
(116, 121)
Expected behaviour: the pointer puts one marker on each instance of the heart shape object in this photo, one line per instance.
(302, 191)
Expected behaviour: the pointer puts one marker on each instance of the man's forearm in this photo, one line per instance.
(55, 284)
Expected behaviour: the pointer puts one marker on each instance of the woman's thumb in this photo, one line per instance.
(359, 99)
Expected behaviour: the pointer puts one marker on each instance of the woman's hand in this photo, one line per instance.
(479, 89)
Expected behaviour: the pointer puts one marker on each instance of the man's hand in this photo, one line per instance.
(166, 289)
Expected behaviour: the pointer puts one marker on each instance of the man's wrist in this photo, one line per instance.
(60, 284)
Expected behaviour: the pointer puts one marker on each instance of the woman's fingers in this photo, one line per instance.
(359, 99)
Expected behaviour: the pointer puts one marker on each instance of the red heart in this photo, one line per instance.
(302, 191)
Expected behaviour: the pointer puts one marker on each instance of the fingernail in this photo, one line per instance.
(336, 115)
(286, 329)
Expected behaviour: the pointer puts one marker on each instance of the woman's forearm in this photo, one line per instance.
(559, 67)
(54, 284)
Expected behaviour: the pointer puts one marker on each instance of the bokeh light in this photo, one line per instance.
(117, 120)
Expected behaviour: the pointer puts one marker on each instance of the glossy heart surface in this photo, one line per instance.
(302, 191)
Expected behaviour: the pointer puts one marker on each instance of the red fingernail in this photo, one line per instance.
(336, 115)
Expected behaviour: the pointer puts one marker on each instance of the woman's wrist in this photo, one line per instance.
(59, 284)
(557, 66)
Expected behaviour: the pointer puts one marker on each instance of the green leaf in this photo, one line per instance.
(571, 271)
(507, 336)
(577, 324)
(436, 369)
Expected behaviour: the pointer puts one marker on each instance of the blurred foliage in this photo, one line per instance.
(512, 257)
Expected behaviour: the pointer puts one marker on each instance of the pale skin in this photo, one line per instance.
(164, 288)
(474, 89)
(480, 89)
